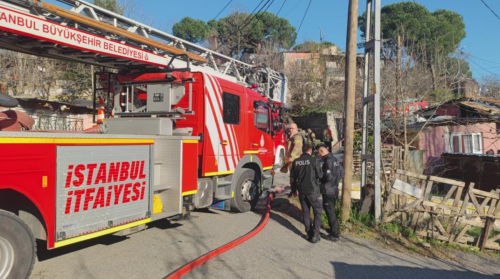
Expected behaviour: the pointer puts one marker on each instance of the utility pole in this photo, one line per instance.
(350, 96)
(371, 94)
(322, 61)
(459, 76)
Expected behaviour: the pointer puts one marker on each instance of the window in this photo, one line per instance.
(477, 144)
(231, 108)
(467, 147)
(261, 117)
(456, 144)
(465, 143)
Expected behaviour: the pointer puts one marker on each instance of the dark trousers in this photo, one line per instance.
(314, 201)
(329, 202)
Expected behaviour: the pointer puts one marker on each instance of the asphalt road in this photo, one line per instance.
(279, 251)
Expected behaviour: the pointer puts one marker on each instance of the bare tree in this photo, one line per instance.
(413, 83)
(490, 86)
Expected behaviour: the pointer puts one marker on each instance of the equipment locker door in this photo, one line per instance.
(101, 187)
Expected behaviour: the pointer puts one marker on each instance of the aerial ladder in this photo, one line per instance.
(87, 33)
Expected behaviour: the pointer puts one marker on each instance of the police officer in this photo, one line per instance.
(305, 178)
(332, 173)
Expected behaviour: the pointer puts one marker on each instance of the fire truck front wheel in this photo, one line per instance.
(17, 247)
(246, 194)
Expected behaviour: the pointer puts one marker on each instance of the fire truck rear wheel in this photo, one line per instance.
(247, 192)
(17, 247)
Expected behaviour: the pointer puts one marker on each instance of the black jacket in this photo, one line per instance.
(305, 175)
(332, 173)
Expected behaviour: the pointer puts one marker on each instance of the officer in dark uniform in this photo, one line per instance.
(305, 178)
(332, 173)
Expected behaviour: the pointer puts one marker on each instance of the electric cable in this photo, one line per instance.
(281, 7)
(304, 17)
(490, 9)
(222, 9)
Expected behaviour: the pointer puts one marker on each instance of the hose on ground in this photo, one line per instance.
(218, 251)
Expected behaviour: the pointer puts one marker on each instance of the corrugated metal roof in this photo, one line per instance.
(488, 108)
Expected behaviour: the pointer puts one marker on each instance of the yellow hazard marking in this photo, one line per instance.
(189, 141)
(268, 168)
(189, 193)
(251, 158)
(232, 194)
(250, 152)
(157, 205)
(45, 180)
(101, 233)
(218, 173)
(73, 141)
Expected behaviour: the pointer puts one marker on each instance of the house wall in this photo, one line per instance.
(432, 142)
(451, 110)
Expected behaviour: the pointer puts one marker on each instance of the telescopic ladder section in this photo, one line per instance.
(93, 35)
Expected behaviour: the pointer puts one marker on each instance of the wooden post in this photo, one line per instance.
(350, 95)
(485, 233)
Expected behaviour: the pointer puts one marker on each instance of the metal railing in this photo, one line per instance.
(57, 123)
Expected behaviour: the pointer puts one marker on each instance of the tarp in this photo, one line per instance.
(13, 120)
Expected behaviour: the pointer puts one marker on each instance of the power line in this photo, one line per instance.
(490, 9)
(304, 17)
(487, 61)
(265, 10)
(281, 8)
(223, 9)
(477, 64)
(293, 8)
(255, 15)
(245, 23)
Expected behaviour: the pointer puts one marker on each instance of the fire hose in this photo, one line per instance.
(226, 247)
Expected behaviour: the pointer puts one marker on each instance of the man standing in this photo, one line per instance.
(332, 173)
(311, 137)
(294, 147)
(328, 138)
(305, 178)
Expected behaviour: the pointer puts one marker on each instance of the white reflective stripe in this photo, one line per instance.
(236, 144)
(230, 128)
(212, 130)
(218, 115)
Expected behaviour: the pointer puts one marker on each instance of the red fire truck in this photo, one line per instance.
(183, 130)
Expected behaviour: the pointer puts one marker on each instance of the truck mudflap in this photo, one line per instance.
(101, 189)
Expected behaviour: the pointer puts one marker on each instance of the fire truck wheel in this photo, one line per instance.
(17, 247)
(246, 194)
(282, 158)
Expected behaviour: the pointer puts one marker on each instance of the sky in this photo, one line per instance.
(480, 45)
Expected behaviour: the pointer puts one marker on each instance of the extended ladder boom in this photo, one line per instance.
(90, 34)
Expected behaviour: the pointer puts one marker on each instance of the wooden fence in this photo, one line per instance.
(444, 209)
